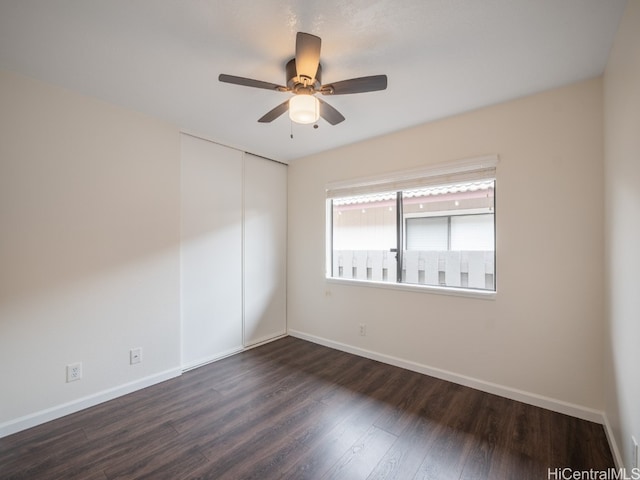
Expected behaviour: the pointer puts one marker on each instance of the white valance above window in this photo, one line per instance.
(447, 173)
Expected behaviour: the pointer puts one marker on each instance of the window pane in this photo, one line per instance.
(364, 232)
(449, 235)
(427, 233)
(472, 232)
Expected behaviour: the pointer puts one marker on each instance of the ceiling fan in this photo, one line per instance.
(304, 80)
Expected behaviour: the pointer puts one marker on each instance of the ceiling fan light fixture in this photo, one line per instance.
(304, 109)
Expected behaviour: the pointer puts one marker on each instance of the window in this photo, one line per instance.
(432, 228)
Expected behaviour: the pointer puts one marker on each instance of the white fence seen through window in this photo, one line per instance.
(466, 269)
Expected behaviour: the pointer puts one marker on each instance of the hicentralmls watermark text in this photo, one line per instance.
(609, 474)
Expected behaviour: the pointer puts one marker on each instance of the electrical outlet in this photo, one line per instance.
(135, 355)
(74, 372)
(363, 329)
(636, 453)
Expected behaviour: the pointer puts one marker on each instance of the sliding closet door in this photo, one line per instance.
(211, 251)
(265, 249)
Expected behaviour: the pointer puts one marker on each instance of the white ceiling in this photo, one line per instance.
(442, 57)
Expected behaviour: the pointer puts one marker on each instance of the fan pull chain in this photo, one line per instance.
(291, 127)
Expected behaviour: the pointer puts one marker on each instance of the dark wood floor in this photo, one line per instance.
(296, 410)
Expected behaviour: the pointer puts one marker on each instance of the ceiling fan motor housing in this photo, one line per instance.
(302, 84)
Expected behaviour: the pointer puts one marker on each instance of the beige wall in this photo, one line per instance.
(542, 335)
(89, 216)
(622, 227)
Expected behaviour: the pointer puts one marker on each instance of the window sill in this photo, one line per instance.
(452, 291)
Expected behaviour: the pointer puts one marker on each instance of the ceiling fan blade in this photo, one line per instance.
(329, 113)
(248, 82)
(274, 113)
(307, 55)
(356, 85)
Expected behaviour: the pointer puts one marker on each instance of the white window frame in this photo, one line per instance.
(440, 173)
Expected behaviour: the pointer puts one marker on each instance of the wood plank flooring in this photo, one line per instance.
(295, 410)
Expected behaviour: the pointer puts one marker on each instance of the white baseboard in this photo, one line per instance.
(43, 416)
(534, 399)
(201, 362)
(265, 339)
(560, 406)
(615, 451)
(219, 356)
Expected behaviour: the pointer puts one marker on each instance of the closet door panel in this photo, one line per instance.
(265, 249)
(211, 251)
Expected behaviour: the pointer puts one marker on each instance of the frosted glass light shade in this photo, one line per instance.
(304, 109)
